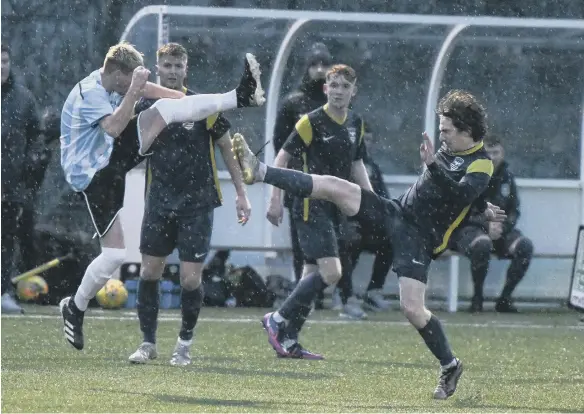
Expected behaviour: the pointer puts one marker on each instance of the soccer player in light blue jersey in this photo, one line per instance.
(102, 139)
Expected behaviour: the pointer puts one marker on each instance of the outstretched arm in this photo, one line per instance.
(241, 202)
(360, 176)
(113, 124)
(155, 91)
(275, 211)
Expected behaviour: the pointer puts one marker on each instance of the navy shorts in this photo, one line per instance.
(320, 232)
(382, 220)
(163, 231)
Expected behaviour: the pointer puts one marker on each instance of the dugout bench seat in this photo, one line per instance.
(454, 273)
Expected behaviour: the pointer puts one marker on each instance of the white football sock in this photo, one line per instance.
(194, 108)
(97, 274)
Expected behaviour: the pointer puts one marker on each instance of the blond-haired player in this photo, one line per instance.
(101, 140)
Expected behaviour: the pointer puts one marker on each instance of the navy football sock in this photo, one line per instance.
(293, 182)
(302, 296)
(519, 264)
(148, 304)
(435, 339)
(297, 322)
(191, 301)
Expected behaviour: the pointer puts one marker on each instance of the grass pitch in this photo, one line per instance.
(522, 363)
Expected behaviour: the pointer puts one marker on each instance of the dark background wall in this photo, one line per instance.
(534, 92)
(55, 42)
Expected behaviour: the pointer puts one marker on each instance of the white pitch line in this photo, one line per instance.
(132, 317)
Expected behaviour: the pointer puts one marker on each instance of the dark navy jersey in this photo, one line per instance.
(181, 171)
(502, 192)
(446, 192)
(326, 146)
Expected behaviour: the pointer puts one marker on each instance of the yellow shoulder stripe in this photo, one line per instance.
(211, 120)
(214, 168)
(362, 134)
(481, 166)
(304, 129)
(148, 180)
(306, 200)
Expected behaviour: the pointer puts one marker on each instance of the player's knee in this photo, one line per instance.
(412, 309)
(151, 270)
(480, 249)
(331, 272)
(191, 280)
(524, 249)
(331, 278)
(150, 273)
(325, 186)
(309, 269)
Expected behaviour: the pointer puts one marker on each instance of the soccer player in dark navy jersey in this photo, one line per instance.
(182, 192)
(419, 223)
(328, 141)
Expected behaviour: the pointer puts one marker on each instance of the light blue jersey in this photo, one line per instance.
(85, 147)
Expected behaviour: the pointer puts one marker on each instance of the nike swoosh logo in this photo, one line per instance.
(326, 139)
(414, 261)
(199, 255)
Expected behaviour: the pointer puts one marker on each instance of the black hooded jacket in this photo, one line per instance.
(308, 97)
(20, 132)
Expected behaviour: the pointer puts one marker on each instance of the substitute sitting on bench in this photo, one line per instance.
(479, 238)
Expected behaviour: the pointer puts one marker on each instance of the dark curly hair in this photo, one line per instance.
(466, 113)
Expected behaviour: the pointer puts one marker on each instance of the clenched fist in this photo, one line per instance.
(139, 79)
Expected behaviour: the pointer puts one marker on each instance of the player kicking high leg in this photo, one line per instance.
(101, 140)
(179, 209)
(419, 223)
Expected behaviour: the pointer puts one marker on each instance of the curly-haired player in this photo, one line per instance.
(419, 223)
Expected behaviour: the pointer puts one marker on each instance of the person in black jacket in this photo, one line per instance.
(20, 129)
(478, 238)
(309, 96)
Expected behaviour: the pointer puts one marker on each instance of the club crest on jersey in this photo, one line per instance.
(352, 134)
(188, 125)
(456, 163)
(505, 190)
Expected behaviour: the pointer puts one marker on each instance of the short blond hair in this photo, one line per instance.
(123, 57)
(172, 49)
